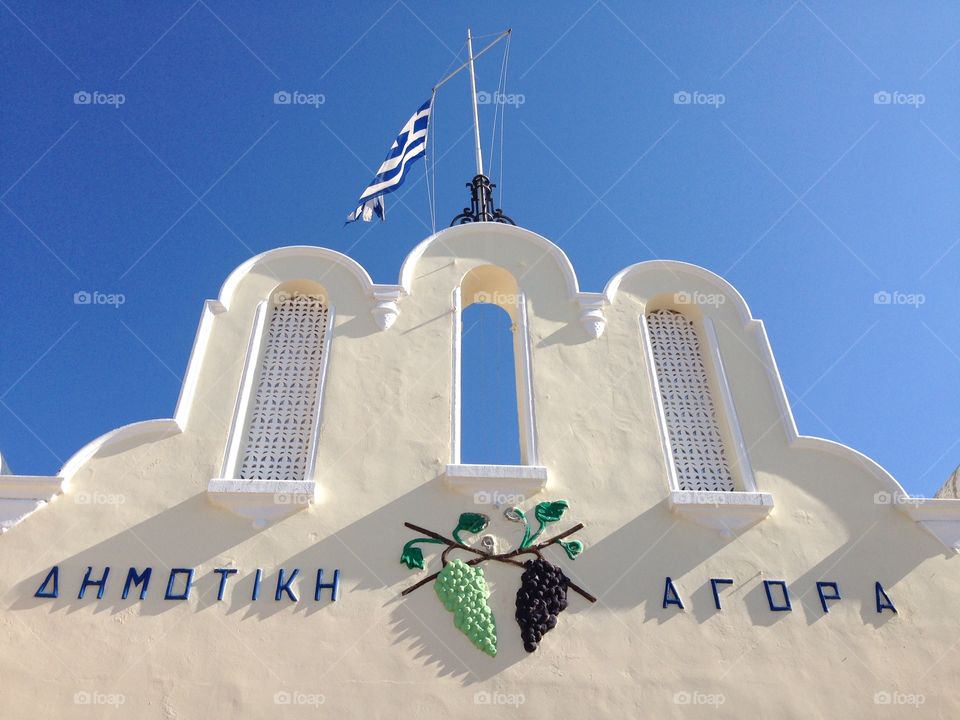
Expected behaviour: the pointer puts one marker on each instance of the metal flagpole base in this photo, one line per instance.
(481, 204)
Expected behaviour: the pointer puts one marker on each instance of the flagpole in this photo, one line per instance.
(473, 98)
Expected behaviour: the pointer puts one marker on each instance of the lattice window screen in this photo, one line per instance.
(277, 444)
(690, 415)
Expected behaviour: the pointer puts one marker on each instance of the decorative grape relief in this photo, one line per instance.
(463, 590)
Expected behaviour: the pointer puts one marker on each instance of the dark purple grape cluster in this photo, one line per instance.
(541, 598)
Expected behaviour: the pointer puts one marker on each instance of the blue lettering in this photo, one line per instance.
(169, 594)
(54, 575)
(101, 583)
(671, 596)
(333, 587)
(134, 579)
(767, 584)
(283, 586)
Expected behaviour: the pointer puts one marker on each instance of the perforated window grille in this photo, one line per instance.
(277, 444)
(690, 415)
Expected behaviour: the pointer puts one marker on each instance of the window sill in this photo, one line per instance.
(262, 501)
(726, 512)
(497, 484)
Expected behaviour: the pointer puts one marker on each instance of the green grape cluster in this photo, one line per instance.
(463, 591)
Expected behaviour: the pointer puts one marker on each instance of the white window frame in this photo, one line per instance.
(726, 511)
(527, 478)
(265, 500)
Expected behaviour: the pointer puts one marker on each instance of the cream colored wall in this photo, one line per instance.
(383, 449)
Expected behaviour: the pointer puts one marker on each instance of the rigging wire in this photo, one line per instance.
(503, 120)
(430, 161)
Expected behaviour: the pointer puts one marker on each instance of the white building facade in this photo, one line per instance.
(243, 557)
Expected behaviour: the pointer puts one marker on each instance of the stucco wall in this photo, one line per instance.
(141, 500)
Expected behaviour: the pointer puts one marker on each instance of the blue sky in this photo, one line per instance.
(785, 172)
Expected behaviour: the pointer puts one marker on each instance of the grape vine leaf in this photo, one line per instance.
(412, 557)
(572, 548)
(471, 522)
(549, 512)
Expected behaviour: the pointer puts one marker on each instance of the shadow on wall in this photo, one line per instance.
(625, 569)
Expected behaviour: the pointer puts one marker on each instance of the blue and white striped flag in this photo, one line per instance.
(410, 144)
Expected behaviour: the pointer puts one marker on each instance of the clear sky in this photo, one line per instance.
(784, 171)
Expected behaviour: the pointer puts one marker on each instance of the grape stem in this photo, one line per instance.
(506, 557)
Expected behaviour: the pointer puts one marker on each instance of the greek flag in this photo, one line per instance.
(410, 144)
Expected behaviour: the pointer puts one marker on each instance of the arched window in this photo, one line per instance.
(277, 418)
(279, 436)
(697, 449)
(489, 427)
(491, 285)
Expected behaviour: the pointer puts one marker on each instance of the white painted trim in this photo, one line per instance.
(262, 501)
(938, 516)
(211, 308)
(248, 380)
(145, 431)
(311, 471)
(30, 487)
(744, 468)
(726, 512)
(455, 375)
(488, 483)
(528, 417)
(647, 347)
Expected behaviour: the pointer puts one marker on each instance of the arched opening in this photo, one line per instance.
(277, 418)
(490, 431)
(493, 422)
